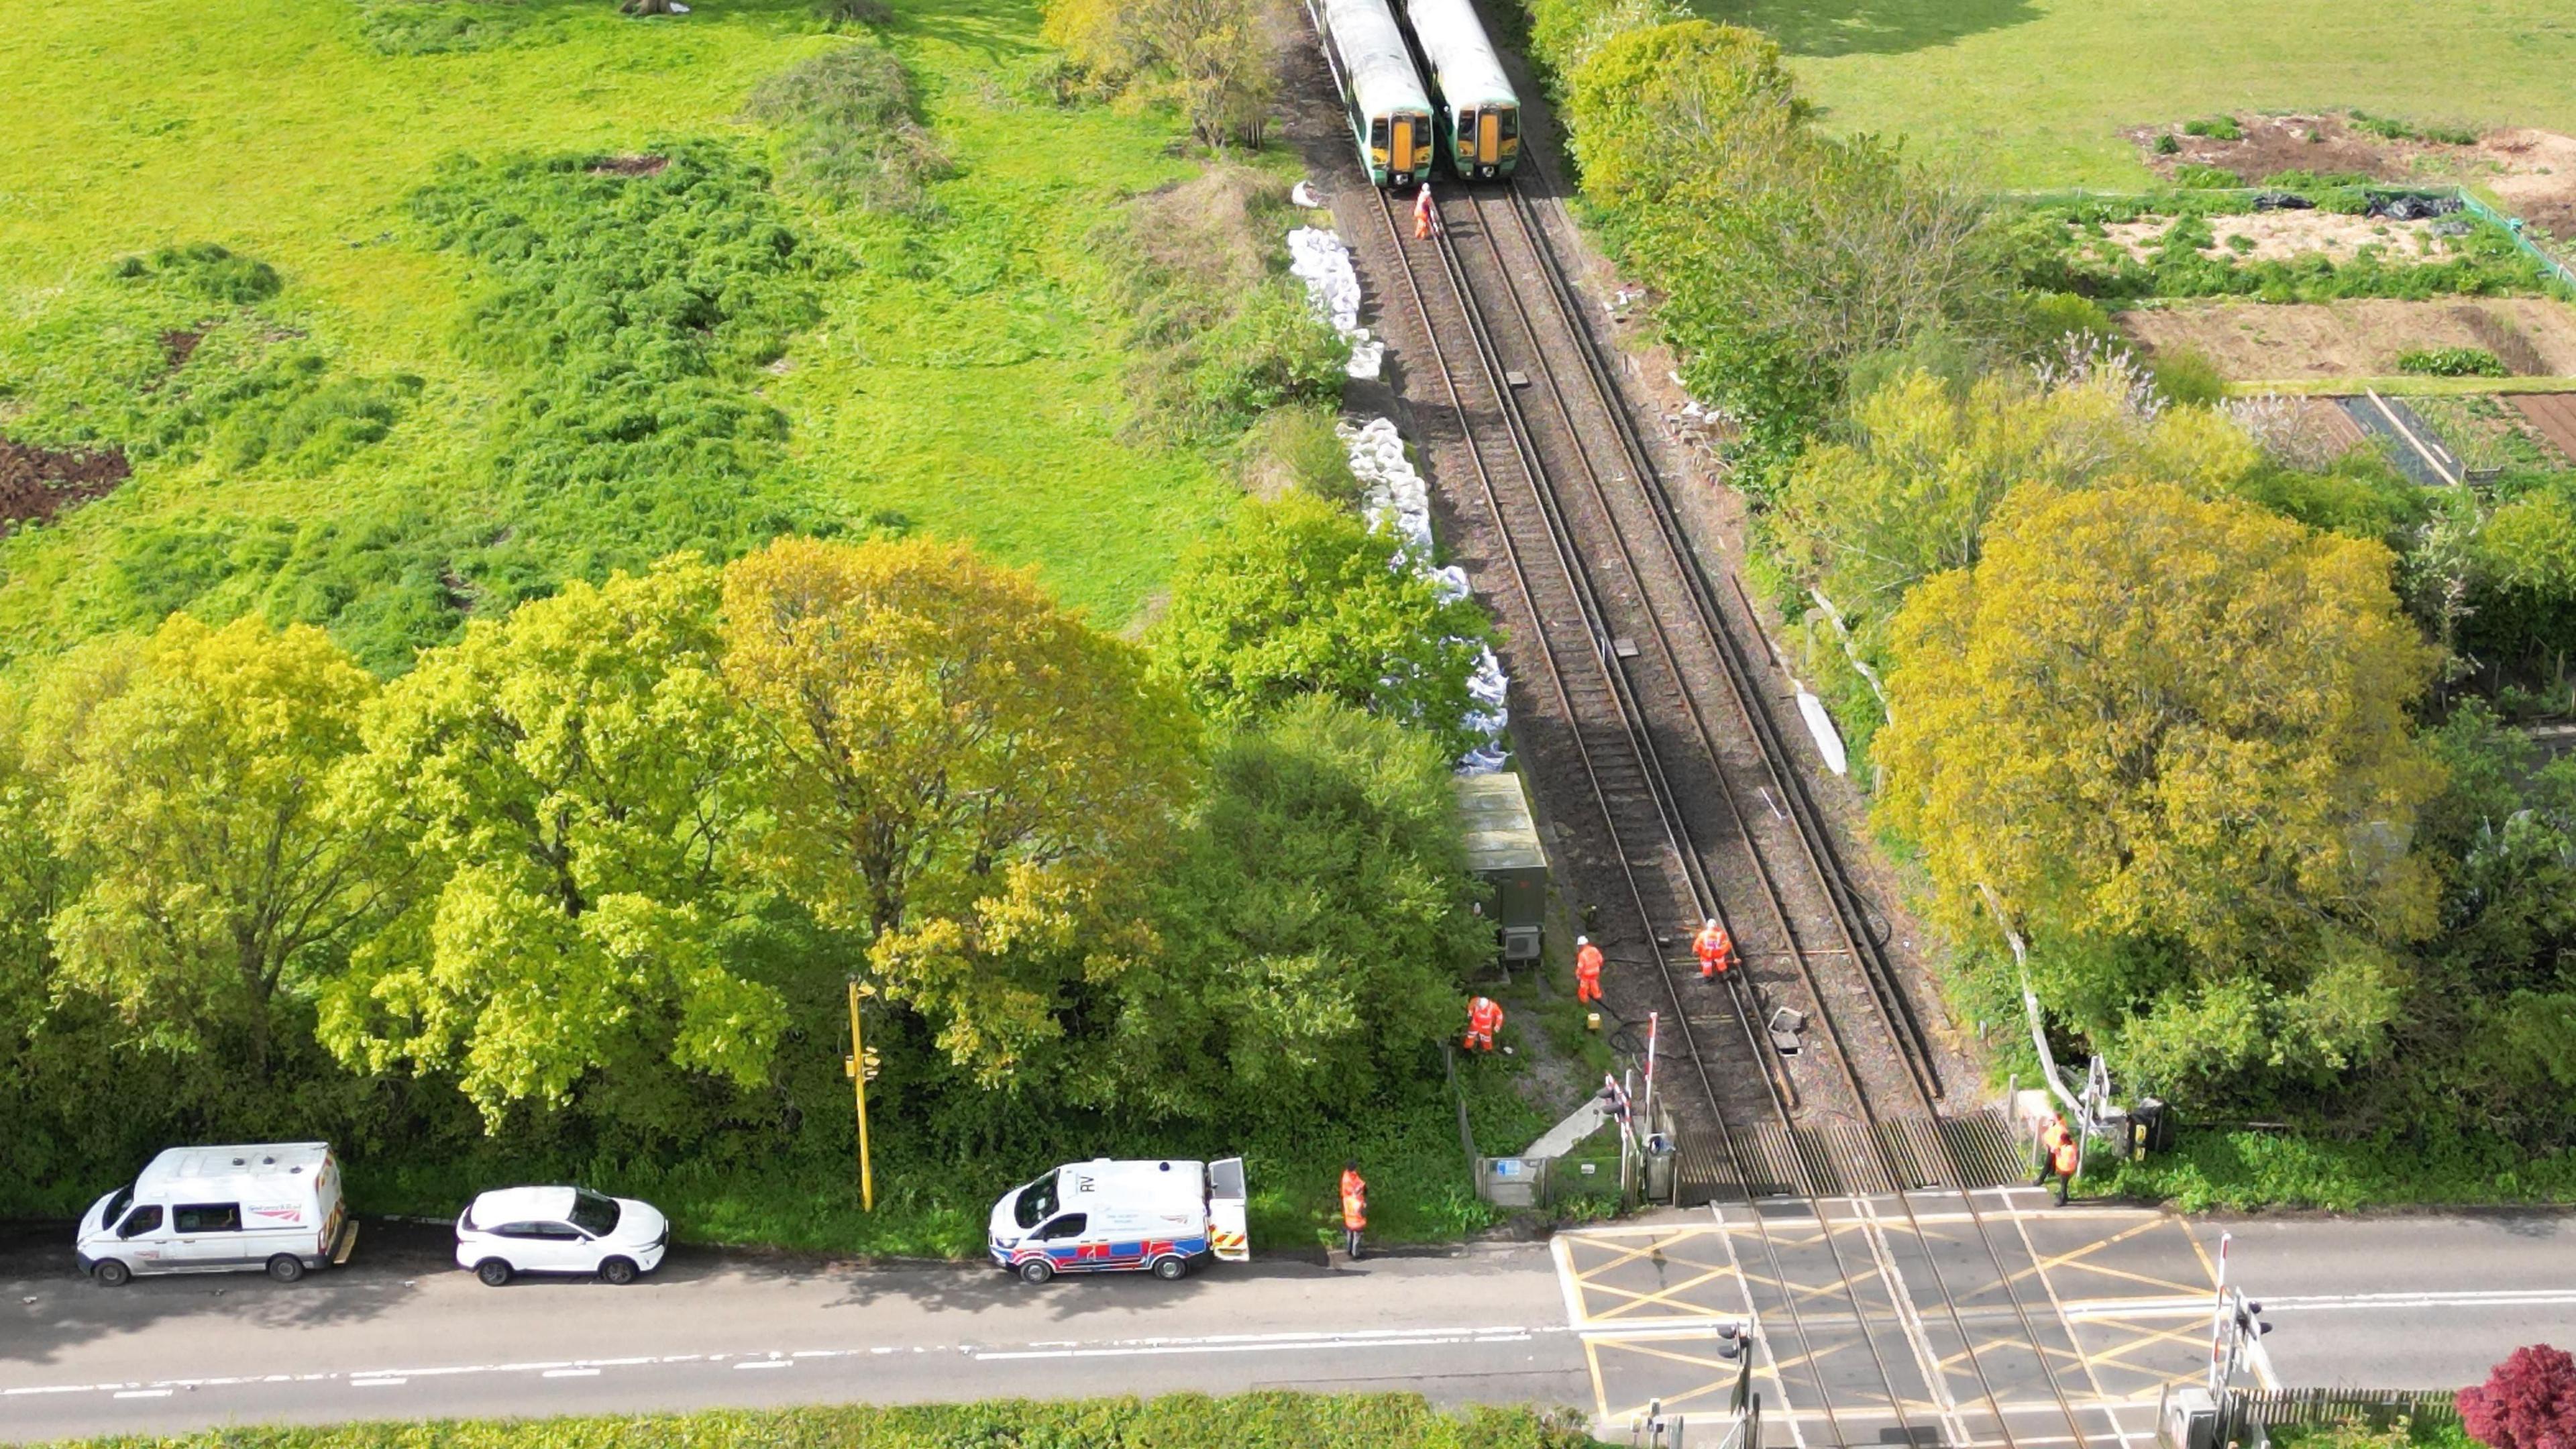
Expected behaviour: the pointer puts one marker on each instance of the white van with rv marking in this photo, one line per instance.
(273, 1206)
(1103, 1216)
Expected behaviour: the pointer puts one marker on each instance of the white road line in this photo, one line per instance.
(2092, 1309)
(143, 1393)
(377, 1383)
(765, 1363)
(572, 1373)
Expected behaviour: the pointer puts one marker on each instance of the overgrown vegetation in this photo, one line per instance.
(1224, 336)
(2064, 248)
(1211, 57)
(2451, 362)
(848, 129)
(1270, 1420)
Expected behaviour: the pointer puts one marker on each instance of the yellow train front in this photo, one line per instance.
(1480, 113)
(1390, 113)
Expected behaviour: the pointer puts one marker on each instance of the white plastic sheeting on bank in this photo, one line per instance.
(1394, 496)
(1323, 263)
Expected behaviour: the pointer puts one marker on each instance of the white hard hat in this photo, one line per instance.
(1583, 940)
(1712, 920)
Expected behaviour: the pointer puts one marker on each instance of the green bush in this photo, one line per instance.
(848, 131)
(2189, 376)
(2391, 128)
(1299, 447)
(2451, 362)
(1268, 1420)
(2168, 144)
(2197, 177)
(2216, 128)
(209, 271)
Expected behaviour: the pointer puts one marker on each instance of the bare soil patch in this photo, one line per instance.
(2536, 337)
(178, 347)
(2533, 172)
(630, 166)
(2282, 235)
(36, 483)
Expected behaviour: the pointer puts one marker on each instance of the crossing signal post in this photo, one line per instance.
(2235, 1332)
(861, 1065)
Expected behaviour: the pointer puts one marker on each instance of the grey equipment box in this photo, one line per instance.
(1504, 852)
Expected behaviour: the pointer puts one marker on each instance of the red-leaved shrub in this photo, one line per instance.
(2529, 1402)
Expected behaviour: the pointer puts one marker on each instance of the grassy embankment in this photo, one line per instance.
(1180, 1421)
(964, 375)
(2034, 93)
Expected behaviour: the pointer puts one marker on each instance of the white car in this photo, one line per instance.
(516, 1230)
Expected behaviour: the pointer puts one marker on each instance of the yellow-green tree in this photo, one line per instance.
(2170, 733)
(186, 780)
(1212, 56)
(959, 770)
(1906, 493)
(571, 783)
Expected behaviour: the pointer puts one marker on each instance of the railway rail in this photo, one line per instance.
(1663, 722)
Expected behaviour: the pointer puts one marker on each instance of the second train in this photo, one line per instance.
(1466, 113)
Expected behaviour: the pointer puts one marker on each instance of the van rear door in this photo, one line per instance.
(1226, 1233)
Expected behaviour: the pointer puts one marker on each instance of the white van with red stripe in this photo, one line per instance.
(268, 1207)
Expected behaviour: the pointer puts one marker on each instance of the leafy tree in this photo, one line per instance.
(1314, 921)
(186, 778)
(958, 770)
(2169, 733)
(2525, 557)
(1785, 257)
(573, 781)
(2529, 1402)
(1212, 56)
(1907, 494)
(1297, 597)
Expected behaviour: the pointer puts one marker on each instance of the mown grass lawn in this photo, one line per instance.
(966, 374)
(2033, 93)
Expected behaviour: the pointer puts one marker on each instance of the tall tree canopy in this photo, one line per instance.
(2170, 734)
(187, 778)
(1297, 597)
(572, 783)
(959, 770)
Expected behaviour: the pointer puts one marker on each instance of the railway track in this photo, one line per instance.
(1658, 712)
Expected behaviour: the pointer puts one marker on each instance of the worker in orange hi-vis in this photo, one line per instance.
(1354, 1208)
(2062, 1162)
(1716, 950)
(1484, 1018)
(2052, 1134)
(1587, 971)
(1426, 217)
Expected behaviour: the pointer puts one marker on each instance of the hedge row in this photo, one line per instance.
(1178, 1421)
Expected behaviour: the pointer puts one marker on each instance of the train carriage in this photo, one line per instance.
(1479, 113)
(1390, 112)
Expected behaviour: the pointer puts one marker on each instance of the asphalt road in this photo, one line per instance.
(1602, 1321)
(402, 1333)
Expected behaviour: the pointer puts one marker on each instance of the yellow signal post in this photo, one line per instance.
(861, 1064)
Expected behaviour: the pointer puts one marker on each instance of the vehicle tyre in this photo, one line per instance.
(493, 1272)
(1036, 1270)
(286, 1267)
(112, 1272)
(617, 1271)
(1171, 1270)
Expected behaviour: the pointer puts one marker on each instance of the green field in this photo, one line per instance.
(964, 377)
(2033, 93)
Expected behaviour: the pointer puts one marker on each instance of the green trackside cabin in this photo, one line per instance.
(1504, 852)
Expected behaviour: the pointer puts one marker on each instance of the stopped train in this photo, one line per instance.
(1390, 112)
(1479, 116)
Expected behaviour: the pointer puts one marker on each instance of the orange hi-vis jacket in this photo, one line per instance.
(1713, 944)
(2063, 1159)
(1587, 964)
(1354, 1204)
(2052, 1135)
(1484, 1015)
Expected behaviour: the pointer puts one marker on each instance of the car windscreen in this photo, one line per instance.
(1037, 1202)
(116, 1206)
(593, 1213)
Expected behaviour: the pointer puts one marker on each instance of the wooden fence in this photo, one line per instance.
(2248, 1410)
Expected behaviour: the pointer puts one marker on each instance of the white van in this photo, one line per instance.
(273, 1206)
(1106, 1216)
